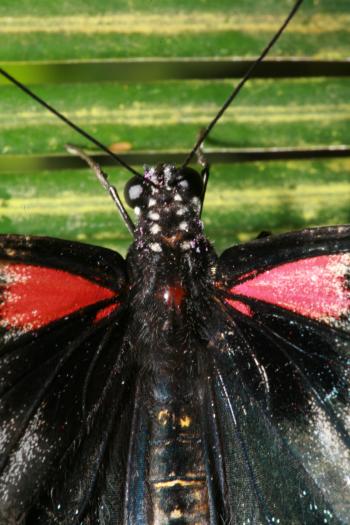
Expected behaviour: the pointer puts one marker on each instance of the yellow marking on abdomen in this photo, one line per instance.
(176, 514)
(185, 421)
(163, 417)
(178, 481)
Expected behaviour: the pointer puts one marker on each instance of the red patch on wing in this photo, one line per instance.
(241, 307)
(33, 296)
(104, 312)
(315, 287)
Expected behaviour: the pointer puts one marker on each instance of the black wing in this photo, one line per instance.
(276, 387)
(62, 363)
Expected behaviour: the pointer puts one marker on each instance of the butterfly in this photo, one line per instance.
(175, 386)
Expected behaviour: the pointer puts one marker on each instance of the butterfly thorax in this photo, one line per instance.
(171, 263)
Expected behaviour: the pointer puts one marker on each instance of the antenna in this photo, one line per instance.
(239, 86)
(112, 190)
(67, 121)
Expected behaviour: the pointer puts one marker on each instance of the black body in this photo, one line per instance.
(176, 387)
(176, 406)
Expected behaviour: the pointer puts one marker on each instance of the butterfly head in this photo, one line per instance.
(168, 203)
(164, 184)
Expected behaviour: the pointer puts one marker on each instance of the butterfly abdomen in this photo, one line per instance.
(177, 477)
(175, 488)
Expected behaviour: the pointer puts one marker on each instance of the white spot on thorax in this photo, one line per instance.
(155, 247)
(154, 215)
(183, 225)
(185, 246)
(167, 171)
(155, 228)
(196, 202)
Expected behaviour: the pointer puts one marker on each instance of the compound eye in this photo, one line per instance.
(135, 192)
(190, 183)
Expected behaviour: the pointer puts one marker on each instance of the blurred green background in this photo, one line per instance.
(242, 199)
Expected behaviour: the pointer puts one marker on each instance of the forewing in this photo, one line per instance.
(43, 280)
(277, 396)
(61, 357)
(305, 273)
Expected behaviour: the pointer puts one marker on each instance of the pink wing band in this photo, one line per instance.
(316, 287)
